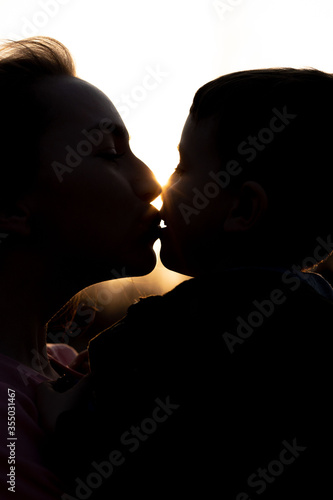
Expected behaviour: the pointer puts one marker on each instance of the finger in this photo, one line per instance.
(81, 362)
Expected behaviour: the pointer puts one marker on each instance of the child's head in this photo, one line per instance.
(253, 183)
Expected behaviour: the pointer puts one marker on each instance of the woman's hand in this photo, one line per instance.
(81, 363)
(51, 403)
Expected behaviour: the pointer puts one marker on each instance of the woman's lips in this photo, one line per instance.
(151, 226)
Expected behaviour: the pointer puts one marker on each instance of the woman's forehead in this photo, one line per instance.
(72, 102)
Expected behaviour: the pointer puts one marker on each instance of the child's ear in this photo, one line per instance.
(15, 219)
(248, 207)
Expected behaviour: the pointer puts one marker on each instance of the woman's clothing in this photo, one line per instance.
(23, 473)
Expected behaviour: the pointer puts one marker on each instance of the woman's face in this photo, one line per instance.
(91, 205)
(194, 203)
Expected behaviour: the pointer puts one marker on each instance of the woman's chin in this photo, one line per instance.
(141, 264)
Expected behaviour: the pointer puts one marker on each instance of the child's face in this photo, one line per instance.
(194, 204)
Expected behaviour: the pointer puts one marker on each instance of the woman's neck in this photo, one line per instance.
(23, 338)
(27, 302)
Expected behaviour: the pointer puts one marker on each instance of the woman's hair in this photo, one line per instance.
(23, 64)
(277, 124)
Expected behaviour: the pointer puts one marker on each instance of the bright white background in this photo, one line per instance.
(187, 42)
(181, 44)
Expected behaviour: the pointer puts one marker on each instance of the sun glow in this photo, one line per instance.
(150, 56)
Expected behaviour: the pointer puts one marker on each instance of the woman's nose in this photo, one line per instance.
(145, 184)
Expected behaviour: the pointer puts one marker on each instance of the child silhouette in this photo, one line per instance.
(220, 386)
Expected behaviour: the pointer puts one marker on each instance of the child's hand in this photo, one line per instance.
(51, 403)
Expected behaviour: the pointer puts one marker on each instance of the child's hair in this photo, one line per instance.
(277, 124)
(23, 64)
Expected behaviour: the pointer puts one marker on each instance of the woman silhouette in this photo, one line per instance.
(74, 205)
